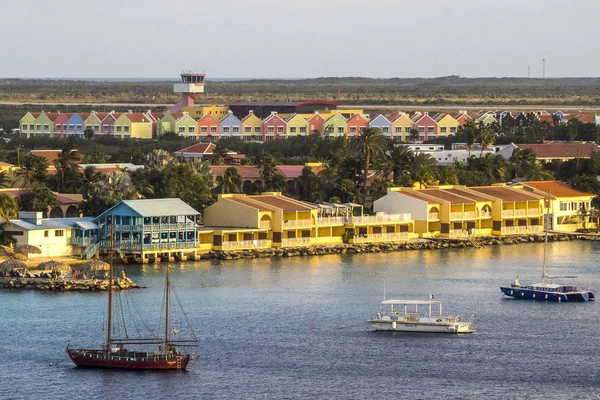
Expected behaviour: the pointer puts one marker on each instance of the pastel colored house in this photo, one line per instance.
(208, 126)
(93, 122)
(108, 123)
(315, 123)
(75, 125)
(384, 125)
(487, 118)
(186, 126)
(274, 127)
(356, 123)
(167, 123)
(134, 126)
(27, 124)
(296, 126)
(427, 127)
(230, 126)
(401, 126)
(447, 125)
(335, 126)
(462, 117)
(44, 125)
(252, 127)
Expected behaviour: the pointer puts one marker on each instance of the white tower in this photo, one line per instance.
(190, 87)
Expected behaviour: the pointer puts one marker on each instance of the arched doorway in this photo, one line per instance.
(72, 211)
(56, 212)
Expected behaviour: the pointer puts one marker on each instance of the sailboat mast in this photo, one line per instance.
(546, 223)
(110, 284)
(167, 290)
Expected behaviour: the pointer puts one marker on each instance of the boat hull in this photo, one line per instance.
(539, 295)
(420, 327)
(152, 361)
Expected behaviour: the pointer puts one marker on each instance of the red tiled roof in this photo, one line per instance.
(199, 148)
(545, 118)
(448, 196)
(50, 155)
(582, 117)
(62, 197)
(561, 150)
(245, 202)
(282, 202)
(557, 188)
(253, 172)
(506, 194)
(138, 117)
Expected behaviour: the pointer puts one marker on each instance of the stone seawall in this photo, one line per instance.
(63, 285)
(417, 244)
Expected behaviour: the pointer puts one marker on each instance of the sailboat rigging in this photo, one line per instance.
(113, 353)
(544, 290)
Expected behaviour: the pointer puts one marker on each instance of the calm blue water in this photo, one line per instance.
(295, 329)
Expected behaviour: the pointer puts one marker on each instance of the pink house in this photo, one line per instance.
(356, 123)
(274, 126)
(208, 126)
(60, 124)
(427, 127)
(108, 123)
(315, 124)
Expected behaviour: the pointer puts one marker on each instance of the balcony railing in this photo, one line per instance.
(485, 214)
(123, 245)
(245, 244)
(331, 220)
(367, 219)
(512, 230)
(433, 216)
(458, 233)
(381, 237)
(296, 241)
(297, 223)
(83, 241)
(520, 213)
(533, 212)
(508, 213)
(154, 227)
(264, 224)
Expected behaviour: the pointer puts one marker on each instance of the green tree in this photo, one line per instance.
(486, 137)
(523, 162)
(38, 197)
(230, 181)
(106, 192)
(182, 181)
(32, 169)
(306, 184)
(8, 207)
(219, 154)
(88, 133)
(158, 159)
(67, 161)
(470, 131)
(369, 144)
(268, 169)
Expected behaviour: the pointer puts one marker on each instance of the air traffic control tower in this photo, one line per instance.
(190, 87)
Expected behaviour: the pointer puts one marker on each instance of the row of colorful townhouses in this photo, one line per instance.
(166, 229)
(418, 127)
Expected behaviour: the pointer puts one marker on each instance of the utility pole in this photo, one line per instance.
(543, 68)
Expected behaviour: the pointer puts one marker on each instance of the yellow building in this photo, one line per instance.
(447, 125)
(252, 126)
(134, 126)
(198, 112)
(401, 127)
(296, 126)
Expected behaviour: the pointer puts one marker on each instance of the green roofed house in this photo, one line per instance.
(149, 230)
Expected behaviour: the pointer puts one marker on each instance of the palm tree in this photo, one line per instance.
(471, 132)
(421, 169)
(278, 184)
(370, 143)
(523, 162)
(447, 175)
(401, 159)
(5, 180)
(414, 135)
(158, 159)
(268, 169)
(486, 137)
(230, 181)
(8, 207)
(67, 161)
(203, 169)
(219, 154)
(305, 184)
(32, 169)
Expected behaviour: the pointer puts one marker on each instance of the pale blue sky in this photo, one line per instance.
(294, 39)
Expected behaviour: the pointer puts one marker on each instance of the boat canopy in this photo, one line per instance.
(412, 302)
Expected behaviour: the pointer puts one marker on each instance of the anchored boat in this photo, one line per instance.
(405, 316)
(114, 354)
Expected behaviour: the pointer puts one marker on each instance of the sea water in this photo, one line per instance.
(295, 328)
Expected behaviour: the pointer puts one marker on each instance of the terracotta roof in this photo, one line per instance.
(448, 196)
(545, 117)
(561, 150)
(63, 198)
(418, 195)
(199, 148)
(245, 202)
(557, 188)
(464, 193)
(138, 117)
(50, 155)
(294, 171)
(506, 194)
(5, 164)
(582, 117)
(282, 202)
(245, 171)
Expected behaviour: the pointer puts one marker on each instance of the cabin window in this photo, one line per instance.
(270, 129)
(96, 128)
(213, 129)
(46, 127)
(385, 129)
(31, 127)
(235, 129)
(46, 234)
(421, 129)
(340, 129)
(443, 129)
(126, 129)
(430, 129)
(452, 129)
(257, 129)
(280, 129)
(119, 128)
(398, 129)
(302, 129)
(182, 129)
(225, 129)
(407, 129)
(292, 129)
(191, 129)
(247, 129)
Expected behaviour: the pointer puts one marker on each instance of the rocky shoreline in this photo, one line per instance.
(416, 244)
(64, 285)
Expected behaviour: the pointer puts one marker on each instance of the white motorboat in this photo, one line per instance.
(405, 316)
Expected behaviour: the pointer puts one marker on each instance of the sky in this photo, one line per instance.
(299, 39)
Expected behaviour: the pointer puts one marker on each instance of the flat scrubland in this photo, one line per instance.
(438, 93)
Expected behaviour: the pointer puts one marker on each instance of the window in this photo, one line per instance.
(59, 233)
(31, 127)
(385, 129)
(46, 127)
(443, 129)
(88, 126)
(452, 129)
(430, 129)
(38, 127)
(78, 126)
(280, 129)
(126, 128)
(24, 127)
(119, 128)
(191, 129)
(213, 129)
(65, 127)
(247, 129)
(14, 233)
(226, 129)
(182, 129)
(421, 129)
(203, 129)
(407, 129)
(46, 234)
(257, 129)
(270, 129)
(235, 129)
(340, 130)
(398, 129)
(292, 129)
(96, 128)
(302, 129)
(105, 128)
(57, 127)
